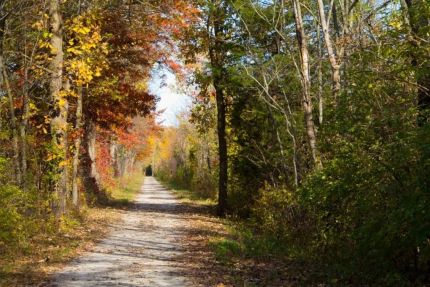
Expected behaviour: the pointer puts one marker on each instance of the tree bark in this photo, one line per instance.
(92, 137)
(208, 157)
(334, 63)
(89, 169)
(23, 130)
(13, 121)
(320, 83)
(59, 121)
(217, 57)
(23, 126)
(77, 146)
(113, 150)
(4, 79)
(306, 83)
(222, 149)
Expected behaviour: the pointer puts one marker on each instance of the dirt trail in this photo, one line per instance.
(142, 250)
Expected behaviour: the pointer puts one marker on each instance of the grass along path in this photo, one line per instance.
(49, 249)
(227, 252)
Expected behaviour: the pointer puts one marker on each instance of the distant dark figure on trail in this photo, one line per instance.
(148, 170)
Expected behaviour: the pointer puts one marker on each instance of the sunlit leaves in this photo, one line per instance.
(86, 47)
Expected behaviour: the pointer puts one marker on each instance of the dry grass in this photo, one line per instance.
(48, 251)
(215, 256)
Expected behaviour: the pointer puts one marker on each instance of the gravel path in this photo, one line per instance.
(142, 250)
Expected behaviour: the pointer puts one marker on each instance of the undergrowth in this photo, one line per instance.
(34, 243)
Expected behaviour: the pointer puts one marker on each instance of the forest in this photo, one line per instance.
(309, 127)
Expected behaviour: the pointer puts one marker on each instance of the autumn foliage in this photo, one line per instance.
(78, 114)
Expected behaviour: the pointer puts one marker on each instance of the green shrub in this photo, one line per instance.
(12, 222)
(274, 210)
(370, 209)
(204, 184)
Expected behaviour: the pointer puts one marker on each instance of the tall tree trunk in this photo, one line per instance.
(59, 121)
(335, 64)
(4, 81)
(92, 152)
(13, 121)
(320, 82)
(77, 144)
(208, 157)
(222, 149)
(114, 153)
(306, 83)
(25, 111)
(217, 57)
(23, 130)
(90, 175)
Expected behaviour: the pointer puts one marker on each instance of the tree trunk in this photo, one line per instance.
(335, 65)
(25, 113)
(222, 149)
(92, 137)
(320, 82)
(88, 163)
(306, 84)
(77, 144)
(4, 80)
(23, 130)
(217, 57)
(59, 121)
(208, 157)
(14, 131)
(114, 154)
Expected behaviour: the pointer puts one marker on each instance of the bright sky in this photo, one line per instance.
(164, 85)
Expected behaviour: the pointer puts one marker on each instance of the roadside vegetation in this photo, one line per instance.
(311, 127)
(76, 121)
(44, 246)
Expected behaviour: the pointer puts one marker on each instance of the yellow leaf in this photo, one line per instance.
(62, 103)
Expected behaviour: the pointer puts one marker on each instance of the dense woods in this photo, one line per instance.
(324, 108)
(75, 111)
(310, 121)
